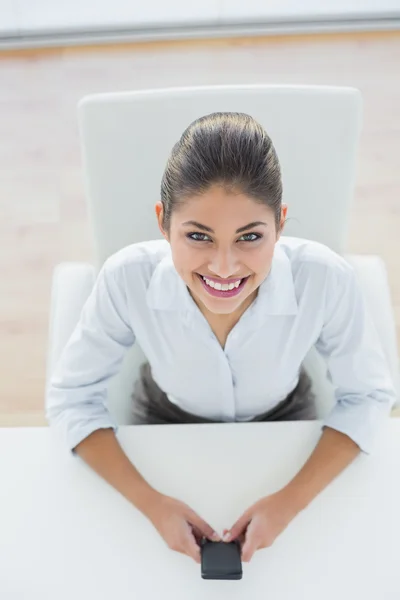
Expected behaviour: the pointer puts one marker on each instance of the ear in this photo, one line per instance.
(284, 209)
(160, 217)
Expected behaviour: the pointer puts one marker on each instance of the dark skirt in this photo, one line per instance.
(151, 405)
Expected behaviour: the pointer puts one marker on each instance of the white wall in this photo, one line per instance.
(63, 15)
(8, 16)
(247, 10)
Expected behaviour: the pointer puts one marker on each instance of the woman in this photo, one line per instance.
(225, 312)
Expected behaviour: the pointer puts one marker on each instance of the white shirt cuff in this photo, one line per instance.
(360, 419)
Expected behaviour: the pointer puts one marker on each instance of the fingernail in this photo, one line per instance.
(227, 537)
(215, 537)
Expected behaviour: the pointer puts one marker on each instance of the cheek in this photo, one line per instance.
(185, 259)
(260, 262)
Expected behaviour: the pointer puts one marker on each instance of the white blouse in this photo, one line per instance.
(310, 297)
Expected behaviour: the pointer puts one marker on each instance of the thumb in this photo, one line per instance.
(202, 527)
(238, 528)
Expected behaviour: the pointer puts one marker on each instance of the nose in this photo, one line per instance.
(224, 264)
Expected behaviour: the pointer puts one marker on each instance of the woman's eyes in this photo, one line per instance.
(198, 237)
(251, 237)
(203, 237)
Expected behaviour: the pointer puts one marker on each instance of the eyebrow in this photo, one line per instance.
(240, 230)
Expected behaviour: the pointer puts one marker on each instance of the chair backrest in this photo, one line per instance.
(126, 139)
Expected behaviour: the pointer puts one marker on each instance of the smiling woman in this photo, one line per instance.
(226, 310)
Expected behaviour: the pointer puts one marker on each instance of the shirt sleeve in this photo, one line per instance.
(77, 390)
(357, 367)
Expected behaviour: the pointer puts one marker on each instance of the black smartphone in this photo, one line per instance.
(221, 560)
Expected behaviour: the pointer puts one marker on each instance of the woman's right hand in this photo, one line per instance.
(180, 527)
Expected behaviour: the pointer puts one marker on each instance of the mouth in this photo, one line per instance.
(223, 290)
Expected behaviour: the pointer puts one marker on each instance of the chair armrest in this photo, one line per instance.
(71, 286)
(372, 276)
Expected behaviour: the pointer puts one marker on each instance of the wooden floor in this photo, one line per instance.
(42, 212)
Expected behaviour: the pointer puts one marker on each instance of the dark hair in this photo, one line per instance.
(231, 149)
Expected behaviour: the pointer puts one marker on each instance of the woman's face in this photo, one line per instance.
(222, 245)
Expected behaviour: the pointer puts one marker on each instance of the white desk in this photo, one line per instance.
(66, 535)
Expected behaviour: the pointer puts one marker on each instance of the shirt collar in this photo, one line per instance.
(276, 294)
(167, 290)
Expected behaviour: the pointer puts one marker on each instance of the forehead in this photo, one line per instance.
(220, 208)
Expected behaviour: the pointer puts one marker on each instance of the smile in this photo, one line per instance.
(223, 290)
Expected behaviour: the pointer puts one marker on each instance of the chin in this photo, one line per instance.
(221, 307)
(220, 310)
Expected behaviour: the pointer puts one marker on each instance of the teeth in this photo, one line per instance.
(224, 286)
(209, 282)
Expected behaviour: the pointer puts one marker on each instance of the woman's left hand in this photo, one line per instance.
(261, 524)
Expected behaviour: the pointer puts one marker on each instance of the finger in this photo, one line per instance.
(202, 527)
(251, 544)
(238, 528)
(248, 551)
(191, 548)
(240, 538)
(199, 536)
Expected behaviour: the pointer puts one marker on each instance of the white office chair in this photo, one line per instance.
(126, 139)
